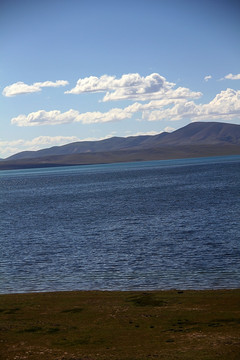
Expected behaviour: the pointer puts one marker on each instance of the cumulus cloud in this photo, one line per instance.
(208, 77)
(105, 83)
(93, 84)
(20, 88)
(55, 117)
(232, 77)
(42, 117)
(135, 87)
(8, 148)
(225, 106)
(131, 87)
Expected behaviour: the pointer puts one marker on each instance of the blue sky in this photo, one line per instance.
(75, 70)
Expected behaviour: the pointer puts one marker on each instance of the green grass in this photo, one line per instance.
(120, 325)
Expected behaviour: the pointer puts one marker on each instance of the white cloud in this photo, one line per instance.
(135, 87)
(131, 82)
(139, 133)
(8, 148)
(142, 133)
(115, 114)
(232, 77)
(225, 106)
(93, 84)
(20, 87)
(169, 129)
(55, 117)
(49, 141)
(208, 77)
(131, 87)
(43, 117)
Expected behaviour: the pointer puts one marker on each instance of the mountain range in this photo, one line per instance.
(194, 140)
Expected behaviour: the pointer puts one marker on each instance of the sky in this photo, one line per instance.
(75, 70)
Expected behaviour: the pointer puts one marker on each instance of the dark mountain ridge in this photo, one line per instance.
(111, 144)
(199, 139)
(197, 133)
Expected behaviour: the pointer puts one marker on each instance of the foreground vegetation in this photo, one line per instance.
(120, 325)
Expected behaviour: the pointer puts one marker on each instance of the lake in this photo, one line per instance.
(130, 226)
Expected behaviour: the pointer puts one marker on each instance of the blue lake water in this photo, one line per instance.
(147, 225)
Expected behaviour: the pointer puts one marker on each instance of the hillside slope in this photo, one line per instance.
(198, 133)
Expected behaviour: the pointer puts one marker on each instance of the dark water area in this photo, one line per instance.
(136, 226)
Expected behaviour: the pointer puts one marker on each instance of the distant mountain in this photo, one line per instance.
(198, 133)
(112, 144)
(205, 133)
(194, 140)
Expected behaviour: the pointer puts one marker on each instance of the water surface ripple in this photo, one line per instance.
(151, 225)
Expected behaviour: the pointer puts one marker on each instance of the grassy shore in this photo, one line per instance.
(120, 325)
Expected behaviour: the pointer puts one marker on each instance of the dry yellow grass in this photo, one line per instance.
(120, 325)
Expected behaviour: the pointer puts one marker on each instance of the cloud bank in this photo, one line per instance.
(15, 146)
(154, 99)
(20, 88)
(225, 106)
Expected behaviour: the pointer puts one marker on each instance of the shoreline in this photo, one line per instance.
(122, 156)
(115, 291)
